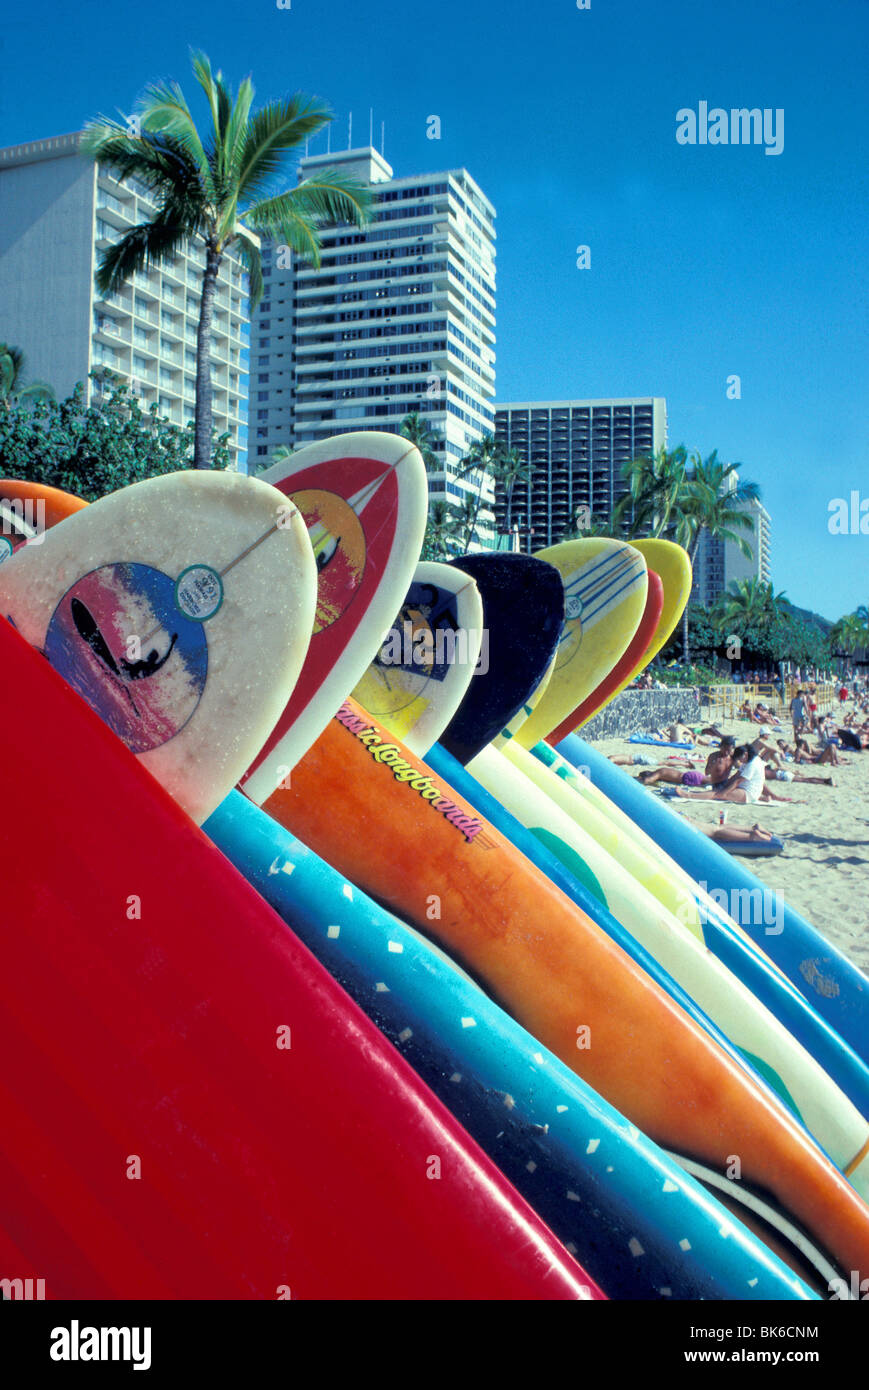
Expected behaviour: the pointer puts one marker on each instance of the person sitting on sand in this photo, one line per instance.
(747, 782)
(765, 715)
(717, 770)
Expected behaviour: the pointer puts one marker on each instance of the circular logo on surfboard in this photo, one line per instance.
(120, 639)
(198, 593)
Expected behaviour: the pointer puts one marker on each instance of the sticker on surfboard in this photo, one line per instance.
(363, 497)
(187, 641)
(605, 588)
(428, 658)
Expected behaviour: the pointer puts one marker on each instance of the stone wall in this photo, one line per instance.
(639, 711)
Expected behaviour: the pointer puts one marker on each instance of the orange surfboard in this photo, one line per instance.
(364, 803)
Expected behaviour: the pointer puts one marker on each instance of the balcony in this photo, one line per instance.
(107, 327)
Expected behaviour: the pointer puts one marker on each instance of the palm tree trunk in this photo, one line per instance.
(203, 418)
(479, 503)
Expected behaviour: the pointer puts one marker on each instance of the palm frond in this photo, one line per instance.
(204, 76)
(271, 132)
(236, 132)
(165, 109)
(160, 161)
(145, 244)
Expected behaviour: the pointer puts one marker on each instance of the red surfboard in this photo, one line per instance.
(639, 643)
(364, 498)
(190, 1106)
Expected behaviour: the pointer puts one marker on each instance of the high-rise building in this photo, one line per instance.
(59, 211)
(399, 318)
(720, 563)
(576, 451)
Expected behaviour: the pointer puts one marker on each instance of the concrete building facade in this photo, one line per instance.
(399, 318)
(59, 212)
(719, 563)
(576, 450)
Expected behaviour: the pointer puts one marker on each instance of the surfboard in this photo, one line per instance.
(28, 510)
(605, 587)
(641, 1227)
(191, 1107)
(428, 658)
(377, 814)
(753, 849)
(629, 664)
(522, 714)
(835, 987)
(579, 885)
(672, 565)
(364, 499)
(661, 918)
(523, 605)
(723, 934)
(180, 608)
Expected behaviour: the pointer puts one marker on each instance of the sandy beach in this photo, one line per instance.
(824, 869)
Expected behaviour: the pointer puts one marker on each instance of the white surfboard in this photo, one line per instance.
(428, 658)
(180, 609)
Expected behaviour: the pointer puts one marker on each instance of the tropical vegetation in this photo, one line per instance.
(93, 449)
(224, 189)
(12, 388)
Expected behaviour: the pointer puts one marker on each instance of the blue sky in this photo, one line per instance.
(706, 261)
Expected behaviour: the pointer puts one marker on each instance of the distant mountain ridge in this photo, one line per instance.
(807, 616)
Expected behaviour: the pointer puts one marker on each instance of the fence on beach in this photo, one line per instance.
(723, 702)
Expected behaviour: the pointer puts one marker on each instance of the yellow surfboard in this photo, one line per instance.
(605, 587)
(672, 566)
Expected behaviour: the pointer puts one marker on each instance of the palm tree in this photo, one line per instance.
(851, 633)
(280, 455)
(712, 498)
(463, 521)
(222, 189)
(483, 457)
(654, 484)
(508, 469)
(12, 388)
(752, 601)
(439, 530)
(420, 433)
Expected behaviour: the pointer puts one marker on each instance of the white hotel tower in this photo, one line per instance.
(58, 212)
(399, 318)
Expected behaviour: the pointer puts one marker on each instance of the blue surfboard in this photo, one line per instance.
(640, 1224)
(836, 989)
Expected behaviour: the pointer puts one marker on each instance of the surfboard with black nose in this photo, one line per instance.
(180, 609)
(523, 609)
(364, 499)
(428, 658)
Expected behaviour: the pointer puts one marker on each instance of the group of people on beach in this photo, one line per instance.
(743, 773)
